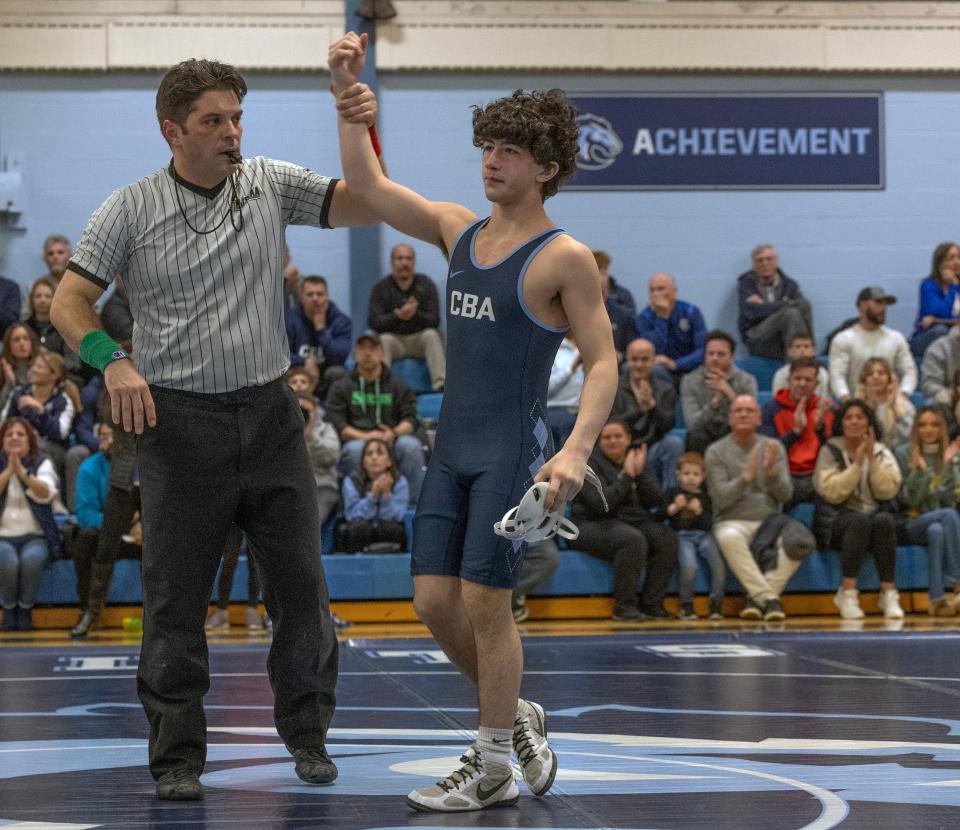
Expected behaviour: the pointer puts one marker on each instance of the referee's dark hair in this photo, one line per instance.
(188, 80)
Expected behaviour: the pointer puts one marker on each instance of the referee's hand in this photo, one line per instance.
(131, 403)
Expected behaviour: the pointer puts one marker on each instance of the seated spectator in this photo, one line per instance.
(706, 393)
(675, 328)
(940, 368)
(83, 435)
(291, 279)
(319, 333)
(879, 389)
(9, 304)
(748, 480)
(857, 477)
(539, 564)
(627, 534)
(772, 309)
(323, 447)
(648, 405)
(690, 513)
(28, 532)
(867, 338)
(803, 422)
(39, 302)
(928, 465)
(563, 391)
(49, 402)
(20, 348)
(405, 310)
(802, 345)
(56, 255)
(116, 317)
(939, 305)
(620, 305)
(375, 499)
(369, 403)
(219, 620)
(91, 499)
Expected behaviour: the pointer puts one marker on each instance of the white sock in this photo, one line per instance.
(495, 745)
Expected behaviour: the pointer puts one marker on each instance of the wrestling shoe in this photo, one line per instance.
(477, 785)
(537, 760)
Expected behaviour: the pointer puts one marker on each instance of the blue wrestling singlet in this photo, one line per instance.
(492, 434)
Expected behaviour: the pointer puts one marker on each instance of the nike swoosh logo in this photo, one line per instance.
(501, 740)
(455, 273)
(483, 795)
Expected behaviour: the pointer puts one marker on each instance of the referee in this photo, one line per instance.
(220, 435)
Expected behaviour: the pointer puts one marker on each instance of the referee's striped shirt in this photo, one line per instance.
(207, 307)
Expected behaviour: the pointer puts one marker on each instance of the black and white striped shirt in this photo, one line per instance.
(207, 307)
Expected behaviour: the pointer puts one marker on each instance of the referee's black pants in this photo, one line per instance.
(210, 461)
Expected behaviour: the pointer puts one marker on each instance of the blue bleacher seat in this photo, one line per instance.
(412, 372)
(918, 400)
(762, 368)
(428, 405)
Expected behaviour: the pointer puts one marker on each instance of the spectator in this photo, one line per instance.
(940, 369)
(620, 305)
(28, 532)
(939, 305)
(706, 393)
(563, 392)
(219, 620)
(319, 333)
(375, 499)
(539, 563)
(748, 480)
(857, 477)
(929, 469)
(675, 328)
(690, 513)
(878, 387)
(405, 310)
(39, 302)
(115, 315)
(49, 402)
(648, 405)
(867, 338)
(802, 345)
(20, 348)
(291, 280)
(803, 422)
(92, 500)
(84, 438)
(10, 303)
(369, 403)
(627, 534)
(56, 255)
(323, 447)
(772, 309)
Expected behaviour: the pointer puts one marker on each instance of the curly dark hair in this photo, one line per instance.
(543, 122)
(865, 408)
(188, 80)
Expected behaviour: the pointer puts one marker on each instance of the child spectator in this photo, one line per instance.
(879, 388)
(375, 499)
(802, 345)
(690, 513)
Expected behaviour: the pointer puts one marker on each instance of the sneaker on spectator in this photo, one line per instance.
(942, 608)
(716, 609)
(655, 612)
(848, 601)
(252, 619)
(627, 612)
(219, 619)
(520, 610)
(687, 612)
(751, 611)
(890, 604)
(773, 610)
(338, 622)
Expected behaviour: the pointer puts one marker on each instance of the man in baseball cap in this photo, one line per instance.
(875, 294)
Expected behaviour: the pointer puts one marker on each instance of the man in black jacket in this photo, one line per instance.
(405, 310)
(627, 534)
(772, 309)
(369, 403)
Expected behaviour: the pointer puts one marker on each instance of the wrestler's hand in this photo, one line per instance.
(131, 404)
(564, 472)
(345, 59)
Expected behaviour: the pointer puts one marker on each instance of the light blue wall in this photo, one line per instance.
(81, 136)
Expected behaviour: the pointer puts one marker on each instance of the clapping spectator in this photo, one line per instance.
(563, 391)
(375, 499)
(879, 388)
(20, 347)
(28, 532)
(319, 333)
(939, 305)
(929, 467)
(857, 478)
(706, 393)
(39, 302)
(802, 345)
(772, 309)
(675, 328)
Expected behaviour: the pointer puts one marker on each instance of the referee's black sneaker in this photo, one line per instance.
(314, 765)
(179, 785)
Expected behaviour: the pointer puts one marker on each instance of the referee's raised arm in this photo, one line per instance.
(73, 316)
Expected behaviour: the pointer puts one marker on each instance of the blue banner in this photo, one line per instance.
(729, 142)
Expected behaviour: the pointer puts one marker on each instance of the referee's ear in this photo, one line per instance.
(171, 132)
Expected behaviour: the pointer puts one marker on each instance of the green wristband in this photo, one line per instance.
(99, 349)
